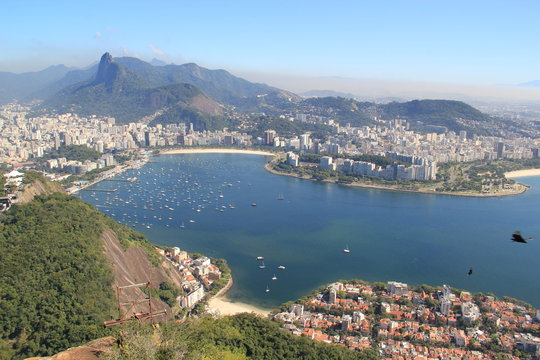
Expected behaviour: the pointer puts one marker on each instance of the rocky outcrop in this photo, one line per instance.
(38, 187)
(89, 351)
(108, 72)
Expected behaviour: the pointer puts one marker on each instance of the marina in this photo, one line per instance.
(392, 235)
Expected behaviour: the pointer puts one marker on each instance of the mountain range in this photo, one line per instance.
(131, 93)
(130, 89)
(21, 87)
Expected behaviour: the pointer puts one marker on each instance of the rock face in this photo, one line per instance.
(109, 72)
(89, 351)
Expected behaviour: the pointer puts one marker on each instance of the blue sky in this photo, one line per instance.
(477, 42)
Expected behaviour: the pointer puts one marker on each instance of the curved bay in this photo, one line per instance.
(408, 237)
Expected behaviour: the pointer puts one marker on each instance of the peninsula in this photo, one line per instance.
(476, 179)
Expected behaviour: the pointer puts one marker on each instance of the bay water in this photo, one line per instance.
(228, 206)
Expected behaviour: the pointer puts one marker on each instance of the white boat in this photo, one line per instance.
(182, 226)
(274, 277)
(346, 250)
(191, 221)
(281, 267)
(262, 266)
(260, 258)
(267, 289)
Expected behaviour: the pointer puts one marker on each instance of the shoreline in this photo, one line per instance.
(522, 173)
(267, 167)
(220, 304)
(117, 170)
(524, 188)
(217, 151)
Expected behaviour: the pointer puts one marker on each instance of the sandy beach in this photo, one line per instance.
(217, 151)
(522, 173)
(225, 306)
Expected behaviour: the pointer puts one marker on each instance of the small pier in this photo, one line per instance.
(124, 180)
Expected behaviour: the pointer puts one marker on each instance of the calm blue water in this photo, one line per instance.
(413, 238)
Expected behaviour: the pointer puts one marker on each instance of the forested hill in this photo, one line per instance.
(239, 337)
(451, 114)
(56, 276)
(423, 115)
(127, 95)
(56, 286)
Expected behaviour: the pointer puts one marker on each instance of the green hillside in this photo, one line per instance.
(187, 114)
(423, 115)
(126, 105)
(55, 283)
(454, 115)
(218, 84)
(73, 152)
(239, 337)
(341, 109)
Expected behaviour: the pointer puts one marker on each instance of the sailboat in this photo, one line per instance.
(274, 277)
(262, 266)
(281, 197)
(182, 225)
(346, 250)
(267, 289)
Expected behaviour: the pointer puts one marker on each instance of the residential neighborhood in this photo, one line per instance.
(198, 275)
(421, 322)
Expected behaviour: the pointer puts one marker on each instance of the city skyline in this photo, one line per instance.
(459, 43)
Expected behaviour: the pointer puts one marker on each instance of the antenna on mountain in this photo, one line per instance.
(128, 307)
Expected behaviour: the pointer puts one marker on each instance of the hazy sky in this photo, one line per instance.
(473, 41)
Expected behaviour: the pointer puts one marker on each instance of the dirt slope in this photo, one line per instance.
(89, 351)
(132, 266)
(38, 188)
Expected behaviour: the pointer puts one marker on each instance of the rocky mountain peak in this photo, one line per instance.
(108, 71)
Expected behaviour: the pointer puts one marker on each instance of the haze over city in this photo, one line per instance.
(381, 48)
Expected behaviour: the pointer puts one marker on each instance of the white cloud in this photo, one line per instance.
(157, 51)
(127, 52)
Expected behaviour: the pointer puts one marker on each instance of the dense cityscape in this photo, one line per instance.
(420, 323)
(26, 137)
